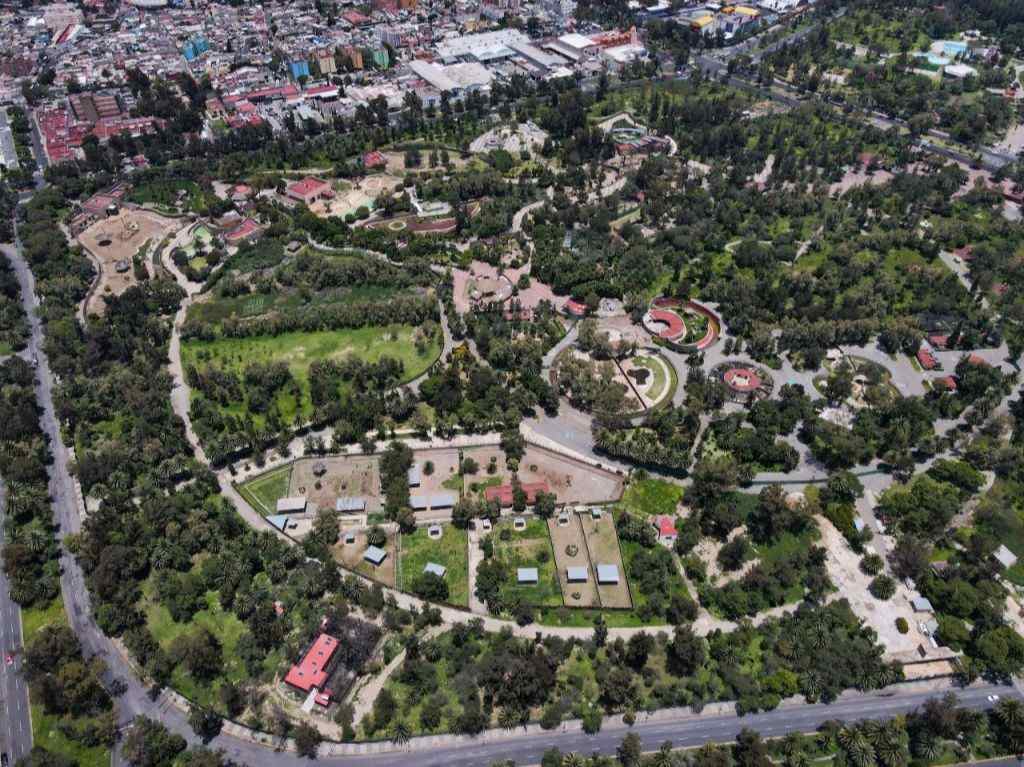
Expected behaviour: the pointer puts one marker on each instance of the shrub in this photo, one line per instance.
(901, 625)
(428, 468)
(882, 587)
(871, 564)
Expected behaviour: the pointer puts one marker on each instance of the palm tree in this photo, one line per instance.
(572, 759)
(400, 733)
(1010, 713)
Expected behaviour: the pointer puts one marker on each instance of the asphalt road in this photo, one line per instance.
(526, 748)
(15, 720)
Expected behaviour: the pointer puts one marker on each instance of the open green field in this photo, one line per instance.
(225, 626)
(650, 497)
(299, 350)
(35, 618)
(530, 547)
(264, 491)
(451, 551)
(45, 731)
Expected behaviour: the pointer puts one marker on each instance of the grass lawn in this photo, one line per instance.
(223, 625)
(264, 491)
(299, 350)
(659, 379)
(652, 497)
(450, 551)
(35, 618)
(46, 735)
(45, 732)
(530, 547)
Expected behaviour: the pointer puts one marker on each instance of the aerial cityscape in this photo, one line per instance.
(573, 383)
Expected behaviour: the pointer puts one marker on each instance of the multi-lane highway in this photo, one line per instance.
(15, 720)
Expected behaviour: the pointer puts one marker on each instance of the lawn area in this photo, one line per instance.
(676, 585)
(264, 491)
(451, 551)
(530, 547)
(223, 625)
(658, 378)
(35, 618)
(299, 350)
(1000, 515)
(45, 733)
(650, 497)
(45, 730)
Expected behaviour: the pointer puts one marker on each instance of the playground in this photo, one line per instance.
(113, 242)
(350, 197)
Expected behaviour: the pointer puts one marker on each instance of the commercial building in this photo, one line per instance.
(484, 46)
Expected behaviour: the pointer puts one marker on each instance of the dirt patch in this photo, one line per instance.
(852, 583)
(113, 242)
(603, 546)
(571, 551)
(350, 556)
(571, 481)
(342, 476)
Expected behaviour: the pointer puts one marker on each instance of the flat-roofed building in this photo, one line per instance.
(527, 575)
(576, 574)
(350, 504)
(436, 569)
(608, 574)
(292, 505)
(433, 501)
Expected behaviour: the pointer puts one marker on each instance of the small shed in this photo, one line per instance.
(596, 512)
(374, 555)
(434, 532)
(859, 523)
(576, 574)
(415, 475)
(921, 605)
(563, 518)
(293, 505)
(350, 537)
(608, 574)
(1005, 557)
(519, 523)
(527, 575)
(436, 569)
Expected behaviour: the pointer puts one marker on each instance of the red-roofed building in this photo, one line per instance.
(133, 126)
(938, 341)
(247, 230)
(355, 18)
(311, 671)
(947, 383)
(977, 361)
(966, 253)
(324, 698)
(504, 493)
(666, 527)
(927, 359)
(574, 308)
(374, 160)
(309, 190)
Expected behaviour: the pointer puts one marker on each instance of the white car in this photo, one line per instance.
(993, 698)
